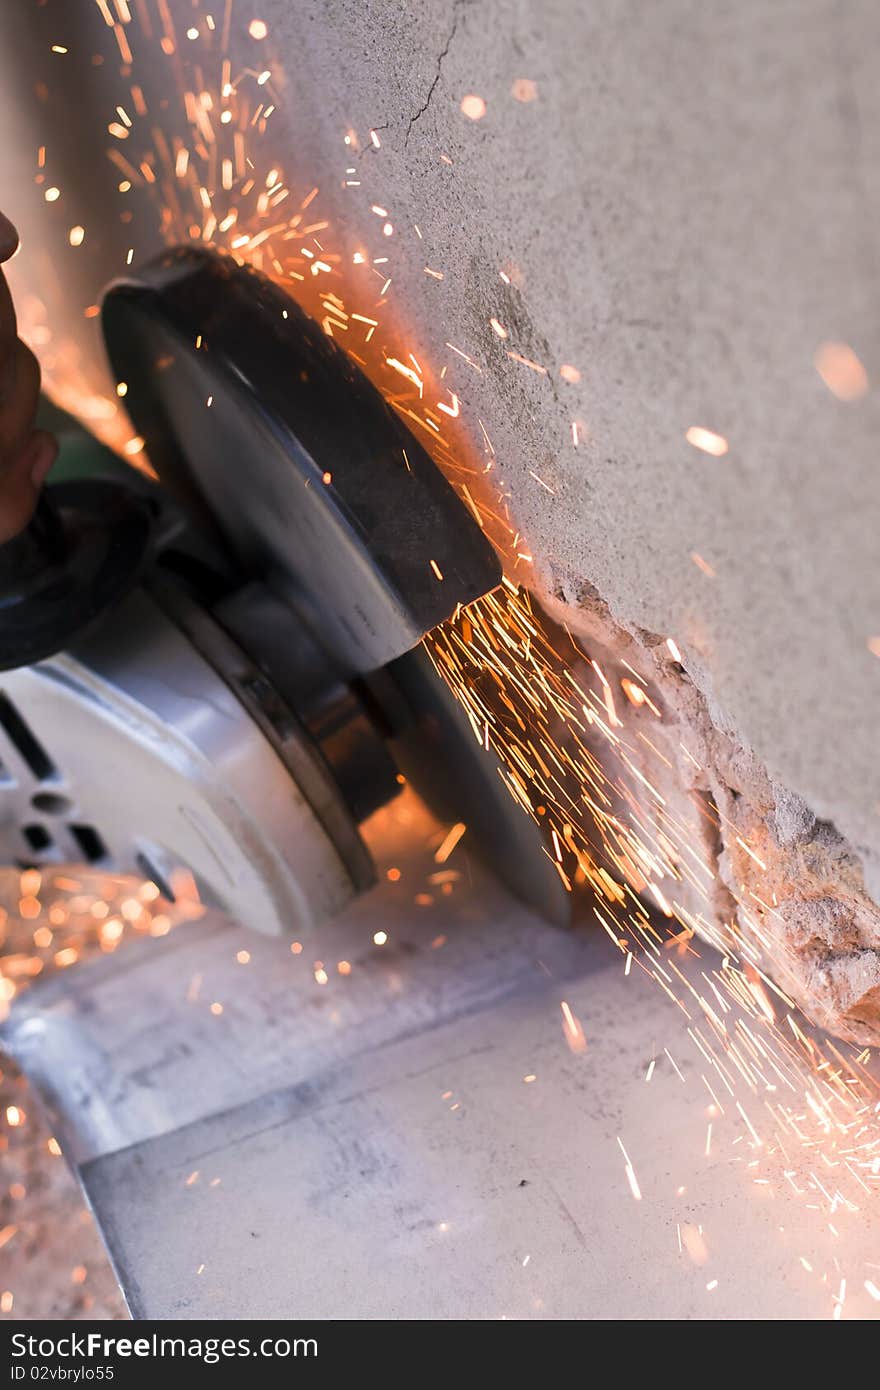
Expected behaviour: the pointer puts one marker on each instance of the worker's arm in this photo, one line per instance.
(26, 454)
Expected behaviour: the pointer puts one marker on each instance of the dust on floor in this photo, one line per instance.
(52, 1262)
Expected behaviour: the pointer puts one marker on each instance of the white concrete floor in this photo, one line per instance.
(379, 1150)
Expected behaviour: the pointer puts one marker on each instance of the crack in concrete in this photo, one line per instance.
(427, 102)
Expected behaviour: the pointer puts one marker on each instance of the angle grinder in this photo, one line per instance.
(222, 673)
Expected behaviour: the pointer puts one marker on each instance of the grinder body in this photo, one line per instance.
(203, 678)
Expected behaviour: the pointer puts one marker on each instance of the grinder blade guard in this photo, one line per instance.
(245, 699)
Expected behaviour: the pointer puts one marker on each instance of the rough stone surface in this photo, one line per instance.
(685, 213)
(769, 872)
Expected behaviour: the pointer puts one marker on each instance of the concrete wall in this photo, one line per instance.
(686, 212)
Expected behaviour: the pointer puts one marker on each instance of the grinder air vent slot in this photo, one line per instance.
(38, 838)
(154, 875)
(89, 842)
(26, 744)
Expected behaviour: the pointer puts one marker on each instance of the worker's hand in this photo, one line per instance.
(26, 454)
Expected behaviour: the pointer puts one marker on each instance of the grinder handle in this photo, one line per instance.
(27, 559)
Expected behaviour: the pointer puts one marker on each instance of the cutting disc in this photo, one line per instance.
(272, 435)
(462, 781)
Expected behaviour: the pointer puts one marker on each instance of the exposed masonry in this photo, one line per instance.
(807, 908)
